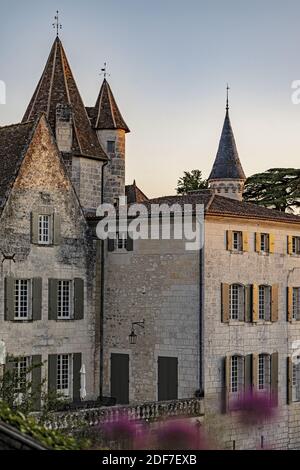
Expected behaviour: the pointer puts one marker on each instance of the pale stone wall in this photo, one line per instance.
(114, 172)
(86, 175)
(228, 188)
(42, 184)
(157, 282)
(222, 266)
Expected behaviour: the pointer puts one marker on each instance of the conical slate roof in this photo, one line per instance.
(106, 114)
(58, 87)
(227, 163)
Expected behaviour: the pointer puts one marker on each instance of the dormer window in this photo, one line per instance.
(111, 146)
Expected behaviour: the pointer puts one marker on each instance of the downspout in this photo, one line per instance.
(102, 293)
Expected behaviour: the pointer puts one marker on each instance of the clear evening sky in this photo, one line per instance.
(169, 62)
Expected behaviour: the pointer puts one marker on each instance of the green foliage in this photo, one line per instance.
(277, 188)
(191, 181)
(27, 425)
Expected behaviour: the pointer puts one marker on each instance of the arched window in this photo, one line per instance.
(265, 302)
(237, 302)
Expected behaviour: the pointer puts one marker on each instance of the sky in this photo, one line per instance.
(169, 63)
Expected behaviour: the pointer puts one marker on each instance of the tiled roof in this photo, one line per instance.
(134, 194)
(227, 164)
(14, 141)
(58, 87)
(106, 114)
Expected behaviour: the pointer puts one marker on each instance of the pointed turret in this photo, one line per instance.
(227, 177)
(58, 97)
(111, 129)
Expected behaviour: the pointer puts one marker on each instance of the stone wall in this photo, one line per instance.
(86, 175)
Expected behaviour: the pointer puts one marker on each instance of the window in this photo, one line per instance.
(296, 379)
(111, 146)
(44, 230)
(236, 302)
(237, 374)
(64, 375)
(296, 303)
(264, 303)
(22, 299)
(21, 373)
(264, 372)
(264, 242)
(64, 300)
(296, 245)
(122, 241)
(237, 241)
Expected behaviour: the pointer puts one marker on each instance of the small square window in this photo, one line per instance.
(121, 241)
(111, 146)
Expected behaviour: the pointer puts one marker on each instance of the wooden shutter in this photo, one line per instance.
(52, 374)
(248, 373)
(129, 245)
(248, 303)
(52, 299)
(36, 299)
(289, 380)
(111, 244)
(227, 378)
(257, 242)
(274, 378)
(56, 229)
(290, 244)
(254, 371)
(78, 299)
(36, 381)
(271, 243)
(274, 306)
(225, 303)
(34, 228)
(255, 313)
(9, 299)
(289, 303)
(245, 241)
(76, 376)
(229, 239)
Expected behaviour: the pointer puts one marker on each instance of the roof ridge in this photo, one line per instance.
(30, 121)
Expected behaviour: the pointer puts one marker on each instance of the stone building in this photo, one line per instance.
(208, 323)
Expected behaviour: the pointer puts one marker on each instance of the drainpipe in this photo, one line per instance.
(102, 292)
(201, 323)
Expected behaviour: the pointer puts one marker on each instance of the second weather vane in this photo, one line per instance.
(57, 25)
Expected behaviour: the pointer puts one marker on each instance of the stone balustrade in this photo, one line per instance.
(149, 412)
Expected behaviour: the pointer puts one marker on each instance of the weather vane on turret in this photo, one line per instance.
(104, 71)
(227, 100)
(57, 25)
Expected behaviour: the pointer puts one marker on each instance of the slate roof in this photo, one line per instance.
(106, 114)
(134, 194)
(227, 164)
(58, 87)
(14, 141)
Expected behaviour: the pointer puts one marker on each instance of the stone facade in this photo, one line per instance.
(228, 188)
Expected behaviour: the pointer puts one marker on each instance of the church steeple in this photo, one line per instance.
(227, 177)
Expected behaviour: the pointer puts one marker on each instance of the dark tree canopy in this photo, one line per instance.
(277, 188)
(191, 181)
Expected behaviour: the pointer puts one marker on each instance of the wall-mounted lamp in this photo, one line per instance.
(133, 335)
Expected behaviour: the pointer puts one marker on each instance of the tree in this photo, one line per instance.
(191, 181)
(277, 188)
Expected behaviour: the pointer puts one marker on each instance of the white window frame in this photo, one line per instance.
(237, 302)
(265, 242)
(296, 303)
(63, 390)
(237, 241)
(296, 245)
(237, 375)
(264, 373)
(20, 365)
(296, 380)
(45, 229)
(264, 303)
(121, 241)
(18, 301)
(62, 283)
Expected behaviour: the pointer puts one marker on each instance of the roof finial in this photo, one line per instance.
(57, 25)
(104, 71)
(227, 100)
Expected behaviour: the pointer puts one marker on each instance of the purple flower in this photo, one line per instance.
(123, 429)
(255, 408)
(180, 435)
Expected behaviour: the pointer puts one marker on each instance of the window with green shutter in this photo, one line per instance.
(45, 228)
(66, 299)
